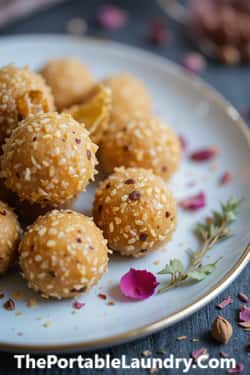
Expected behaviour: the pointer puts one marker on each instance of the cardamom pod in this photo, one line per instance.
(222, 330)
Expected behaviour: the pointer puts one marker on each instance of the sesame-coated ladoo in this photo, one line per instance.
(129, 96)
(22, 93)
(48, 159)
(63, 254)
(9, 237)
(141, 141)
(135, 210)
(69, 80)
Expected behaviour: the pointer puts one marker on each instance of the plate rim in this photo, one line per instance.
(200, 302)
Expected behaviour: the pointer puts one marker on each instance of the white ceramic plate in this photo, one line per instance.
(192, 109)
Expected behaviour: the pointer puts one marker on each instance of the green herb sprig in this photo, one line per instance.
(215, 229)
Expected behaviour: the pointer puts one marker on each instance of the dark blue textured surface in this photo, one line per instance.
(233, 83)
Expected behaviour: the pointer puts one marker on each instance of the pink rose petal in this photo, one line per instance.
(243, 297)
(158, 33)
(204, 154)
(198, 352)
(111, 17)
(227, 301)
(194, 62)
(138, 284)
(245, 314)
(240, 367)
(225, 178)
(193, 203)
(78, 305)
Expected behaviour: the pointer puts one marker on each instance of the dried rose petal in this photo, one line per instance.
(183, 142)
(245, 314)
(225, 178)
(240, 367)
(193, 203)
(111, 17)
(198, 352)
(102, 296)
(194, 62)
(158, 33)
(78, 305)
(138, 284)
(204, 154)
(227, 301)
(243, 297)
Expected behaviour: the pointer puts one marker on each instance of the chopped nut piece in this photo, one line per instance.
(9, 305)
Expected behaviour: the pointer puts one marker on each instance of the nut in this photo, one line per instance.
(222, 330)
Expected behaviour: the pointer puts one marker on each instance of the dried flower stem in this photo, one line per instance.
(209, 233)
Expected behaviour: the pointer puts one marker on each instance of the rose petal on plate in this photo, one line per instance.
(225, 178)
(245, 314)
(138, 284)
(111, 17)
(194, 62)
(194, 202)
(204, 154)
(78, 305)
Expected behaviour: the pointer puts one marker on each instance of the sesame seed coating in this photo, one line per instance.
(141, 141)
(129, 96)
(135, 217)
(22, 93)
(63, 254)
(9, 237)
(69, 79)
(48, 159)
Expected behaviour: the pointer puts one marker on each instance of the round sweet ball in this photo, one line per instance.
(135, 211)
(48, 159)
(129, 96)
(63, 254)
(142, 141)
(9, 237)
(69, 80)
(22, 93)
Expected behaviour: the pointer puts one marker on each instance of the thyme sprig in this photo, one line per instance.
(215, 229)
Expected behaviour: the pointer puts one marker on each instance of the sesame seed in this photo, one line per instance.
(38, 258)
(51, 243)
